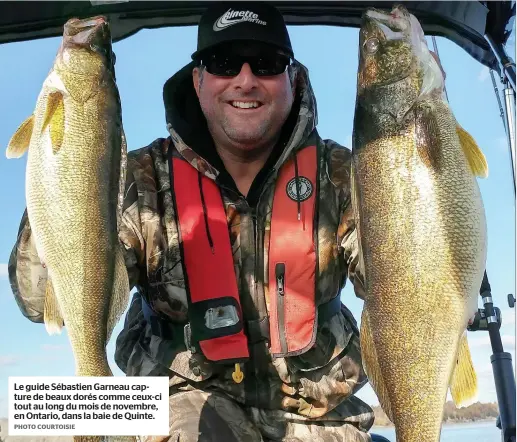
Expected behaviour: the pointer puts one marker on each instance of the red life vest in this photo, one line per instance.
(215, 313)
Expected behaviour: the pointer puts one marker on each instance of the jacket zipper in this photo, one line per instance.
(280, 292)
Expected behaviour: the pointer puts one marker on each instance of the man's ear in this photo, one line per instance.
(196, 78)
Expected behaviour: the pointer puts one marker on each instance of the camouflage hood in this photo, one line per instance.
(189, 130)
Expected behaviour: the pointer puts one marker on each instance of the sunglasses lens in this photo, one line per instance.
(261, 66)
(223, 66)
(271, 65)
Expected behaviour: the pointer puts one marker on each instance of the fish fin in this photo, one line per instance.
(475, 157)
(427, 137)
(371, 365)
(51, 313)
(55, 119)
(21, 139)
(463, 385)
(120, 292)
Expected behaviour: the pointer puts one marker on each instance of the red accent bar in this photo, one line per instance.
(210, 275)
(292, 242)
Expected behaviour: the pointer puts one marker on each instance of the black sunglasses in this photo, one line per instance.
(229, 65)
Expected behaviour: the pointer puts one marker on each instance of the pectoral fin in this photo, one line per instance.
(120, 292)
(475, 157)
(371, 365)
(51, 313)
(21, 139)
(428, 138)
(54, 119)
(463, 383)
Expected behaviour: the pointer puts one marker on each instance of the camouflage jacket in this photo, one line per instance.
(324, 378)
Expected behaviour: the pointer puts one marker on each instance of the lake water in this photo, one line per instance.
(478, 432)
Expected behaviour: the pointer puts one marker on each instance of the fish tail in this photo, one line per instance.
(463, 385)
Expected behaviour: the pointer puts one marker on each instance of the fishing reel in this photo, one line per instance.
(481, 318)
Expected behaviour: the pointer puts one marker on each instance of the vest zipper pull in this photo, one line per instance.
(237, 375)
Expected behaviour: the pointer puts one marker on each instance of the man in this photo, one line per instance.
(239, 238)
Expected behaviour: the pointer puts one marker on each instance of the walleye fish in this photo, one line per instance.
(74, 187)
(421, 227)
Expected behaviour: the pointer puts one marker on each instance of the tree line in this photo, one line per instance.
(475, 412)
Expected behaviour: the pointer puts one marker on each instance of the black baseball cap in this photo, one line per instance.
(239, 21)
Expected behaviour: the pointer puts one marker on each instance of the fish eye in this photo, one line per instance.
(371, 45)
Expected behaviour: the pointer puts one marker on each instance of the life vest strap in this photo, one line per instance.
(257, 329)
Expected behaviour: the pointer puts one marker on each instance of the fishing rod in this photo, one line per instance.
(489, 319)
(506, 63)
(435, 48)
(507, 117)
(507, 72)
(502, 366)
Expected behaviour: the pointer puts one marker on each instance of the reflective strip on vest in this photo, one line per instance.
(209, 271)
(292, 258)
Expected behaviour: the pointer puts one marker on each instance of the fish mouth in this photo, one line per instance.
(390, 25)
(91, 33)
(397, 24)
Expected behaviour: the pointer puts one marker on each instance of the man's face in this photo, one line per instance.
(245, 111)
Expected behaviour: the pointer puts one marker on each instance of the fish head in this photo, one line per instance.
(385, 47)
(85, 57)
(395, 65)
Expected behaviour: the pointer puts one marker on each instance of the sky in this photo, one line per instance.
(144, 62)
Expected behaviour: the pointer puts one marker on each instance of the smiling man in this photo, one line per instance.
(239, 238)
(246, 96)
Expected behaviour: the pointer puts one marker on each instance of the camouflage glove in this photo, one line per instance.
(293, 400)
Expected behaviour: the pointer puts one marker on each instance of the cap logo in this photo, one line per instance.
(232, 17)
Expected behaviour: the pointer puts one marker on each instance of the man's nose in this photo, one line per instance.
(246, 78)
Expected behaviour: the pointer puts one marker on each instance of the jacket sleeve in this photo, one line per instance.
(339, 172)
(351, 252)
(28, 276)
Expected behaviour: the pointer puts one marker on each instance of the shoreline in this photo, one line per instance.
(445, 424)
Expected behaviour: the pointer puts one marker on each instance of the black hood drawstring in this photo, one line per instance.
(297, 182)
(205, 212)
